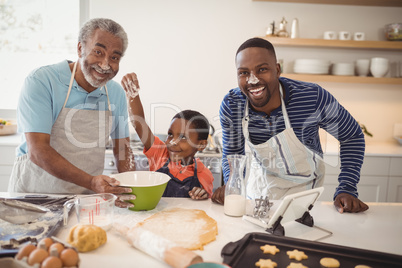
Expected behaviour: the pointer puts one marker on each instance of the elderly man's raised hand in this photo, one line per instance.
(348, 203)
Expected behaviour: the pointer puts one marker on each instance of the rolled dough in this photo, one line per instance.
(187, 228)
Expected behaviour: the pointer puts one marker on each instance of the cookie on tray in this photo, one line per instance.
(296, 265)
(330, 262)
(265, 263)
(269, 249)
(297, 255)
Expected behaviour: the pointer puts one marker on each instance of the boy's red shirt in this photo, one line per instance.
(158, 155)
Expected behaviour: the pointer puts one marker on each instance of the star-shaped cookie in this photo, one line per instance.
(269, 249)
(297, 255)
(296, 265)
(265, 263)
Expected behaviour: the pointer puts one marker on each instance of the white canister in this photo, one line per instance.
(295, 29)
(359, 36)
(330, 35)
(344, 35)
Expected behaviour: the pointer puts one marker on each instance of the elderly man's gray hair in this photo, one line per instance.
(107, 25)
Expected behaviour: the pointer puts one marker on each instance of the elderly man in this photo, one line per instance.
(279, 119)
(67, 112)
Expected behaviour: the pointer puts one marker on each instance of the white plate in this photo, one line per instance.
(310, 70)
(312, 61)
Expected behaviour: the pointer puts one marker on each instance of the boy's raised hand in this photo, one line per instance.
(131, 85)
(198, 193)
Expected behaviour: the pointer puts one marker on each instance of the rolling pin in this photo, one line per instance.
(158, 247)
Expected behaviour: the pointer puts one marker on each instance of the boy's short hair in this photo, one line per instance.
(197, 120)
(257, 42)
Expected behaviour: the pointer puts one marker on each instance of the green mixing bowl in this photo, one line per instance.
(147, 186)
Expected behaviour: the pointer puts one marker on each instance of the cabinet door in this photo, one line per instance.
(5, 172)
(370, 188)
(395, 180)
(395, 189)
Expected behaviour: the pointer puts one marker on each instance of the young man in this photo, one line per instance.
(279, 119)
(67, 111)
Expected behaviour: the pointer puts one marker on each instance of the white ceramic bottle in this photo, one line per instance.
(235, 190)
(294, 33)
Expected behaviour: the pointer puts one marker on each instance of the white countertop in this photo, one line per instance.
(10, 140)
(378, 229)
(385, 149)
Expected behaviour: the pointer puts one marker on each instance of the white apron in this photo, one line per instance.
(80, 137)
(282, 165)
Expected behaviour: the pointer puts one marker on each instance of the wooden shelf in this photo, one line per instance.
(343, 79)
(383, 3)
(302, 42)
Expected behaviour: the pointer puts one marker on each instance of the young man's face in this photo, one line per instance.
(100, 58)
(182, 141)
(257, 75)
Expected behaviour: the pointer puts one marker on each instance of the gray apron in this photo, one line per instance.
(282, 165)
(80, 137)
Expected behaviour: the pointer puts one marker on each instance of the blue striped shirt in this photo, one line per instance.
(309, 107)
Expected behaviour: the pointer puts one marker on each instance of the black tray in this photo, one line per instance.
(52, 222)
(246, 252)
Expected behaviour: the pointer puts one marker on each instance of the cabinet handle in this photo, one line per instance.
(111, 163)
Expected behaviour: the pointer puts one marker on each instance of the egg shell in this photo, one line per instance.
(52, 262)
(46, 241)
(57, 246)
(25, 251)
(37, 256)
(69, 257)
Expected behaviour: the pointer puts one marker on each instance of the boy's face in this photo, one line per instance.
(182, 141)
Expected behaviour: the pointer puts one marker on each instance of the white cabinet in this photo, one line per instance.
(395, 180)
(380, 180)
(7, 156)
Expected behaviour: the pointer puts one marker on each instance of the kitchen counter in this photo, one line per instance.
(378, 229)
(385, 149)
(10, 140)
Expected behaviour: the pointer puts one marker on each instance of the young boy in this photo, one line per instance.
(187, 134)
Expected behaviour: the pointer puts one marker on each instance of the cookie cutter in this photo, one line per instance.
(260, 212)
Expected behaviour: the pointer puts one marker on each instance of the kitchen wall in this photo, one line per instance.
(183, 52)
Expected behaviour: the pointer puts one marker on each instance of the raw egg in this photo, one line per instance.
(52, 262)
(25, 251)
(37, 256)
(56, 246)
(69, 257)
(45, 241)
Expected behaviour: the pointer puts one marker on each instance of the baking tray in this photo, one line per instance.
(246, 252)
(45, 226)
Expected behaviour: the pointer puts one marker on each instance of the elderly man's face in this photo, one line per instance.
(100, 58)
(257, 75)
